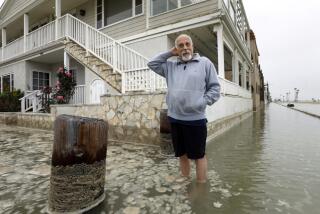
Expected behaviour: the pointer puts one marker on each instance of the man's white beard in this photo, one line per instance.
(186, 57)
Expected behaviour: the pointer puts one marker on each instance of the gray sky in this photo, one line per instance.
(288, 33)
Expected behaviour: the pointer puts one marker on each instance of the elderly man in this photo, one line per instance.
(192, 85)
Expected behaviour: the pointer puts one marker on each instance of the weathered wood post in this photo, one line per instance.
(78, 164)
(165, 133)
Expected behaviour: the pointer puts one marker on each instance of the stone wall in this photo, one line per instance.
(31, 120)
(131, 117)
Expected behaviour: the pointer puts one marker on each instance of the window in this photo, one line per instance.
(110, 11)
(40, 80)
(7, 83)
(99, 13)
(161, 6)
(138, 7)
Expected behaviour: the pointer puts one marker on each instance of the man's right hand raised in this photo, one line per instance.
(174, 51)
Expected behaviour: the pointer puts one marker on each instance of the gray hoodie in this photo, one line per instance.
(191, 86)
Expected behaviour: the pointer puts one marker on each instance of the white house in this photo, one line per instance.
(107, 44)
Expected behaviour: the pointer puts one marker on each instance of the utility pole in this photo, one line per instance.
(296, 94)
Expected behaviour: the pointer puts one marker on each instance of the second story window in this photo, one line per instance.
(161, 6)
(110, 11)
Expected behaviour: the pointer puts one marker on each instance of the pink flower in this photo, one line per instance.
(68, 74)
(60, 98)
(58, 83)
(60, 70)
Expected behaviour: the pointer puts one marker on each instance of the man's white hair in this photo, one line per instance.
(180, 36)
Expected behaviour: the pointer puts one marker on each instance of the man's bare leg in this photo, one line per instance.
(201, 169)
(185, 166)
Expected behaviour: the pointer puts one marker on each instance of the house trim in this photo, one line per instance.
(32, 54)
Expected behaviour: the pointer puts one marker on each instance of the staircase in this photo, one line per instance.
(103, 70)
(122, 67)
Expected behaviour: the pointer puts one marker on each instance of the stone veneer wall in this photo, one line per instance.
(131, 117)
(32, 120)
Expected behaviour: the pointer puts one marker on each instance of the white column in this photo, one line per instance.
(219, 30)
(25, 29)
(244, 76)
(250, 78)
(66, 61)
(58, 15)
(4, 41)
(236, 67)
(58, 8)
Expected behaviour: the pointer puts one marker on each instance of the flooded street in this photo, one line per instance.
(270, 163)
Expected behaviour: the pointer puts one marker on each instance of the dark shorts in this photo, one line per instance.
(189, 140)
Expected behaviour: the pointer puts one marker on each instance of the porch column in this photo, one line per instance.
(236, 67)
(244, 76)
(58, 15)
(250, 78)
(58, 8)
(66, 61)
(4, 41)
(219, 30)
(25, 29)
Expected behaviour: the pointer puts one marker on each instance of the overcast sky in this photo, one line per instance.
(288, 33)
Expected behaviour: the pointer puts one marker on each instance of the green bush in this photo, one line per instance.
(9, 101)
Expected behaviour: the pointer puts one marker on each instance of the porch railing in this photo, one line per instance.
(13, 49)
(79, 96)
(41, 36)
(30, 101)
(233, 89)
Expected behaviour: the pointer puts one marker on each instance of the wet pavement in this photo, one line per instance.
(140, 179)
(267, 164)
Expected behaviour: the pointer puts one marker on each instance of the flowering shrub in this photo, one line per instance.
(9, 101)
(64, 89)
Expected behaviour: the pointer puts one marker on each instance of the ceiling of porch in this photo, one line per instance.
(50, 58)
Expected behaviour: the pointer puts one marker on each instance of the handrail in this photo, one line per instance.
(30, 101)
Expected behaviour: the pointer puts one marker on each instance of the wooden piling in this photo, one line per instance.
(78, 164)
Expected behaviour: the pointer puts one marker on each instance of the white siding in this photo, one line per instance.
(19, 71)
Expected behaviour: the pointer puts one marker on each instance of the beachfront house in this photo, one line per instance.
(106, 44)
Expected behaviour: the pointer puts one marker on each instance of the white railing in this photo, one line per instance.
(231, 88)
(143, 80)
(30, 101)
(79, 96)
(41, 36)
(13, 49)
(126, 61)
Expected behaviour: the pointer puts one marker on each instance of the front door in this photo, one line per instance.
(97, 89)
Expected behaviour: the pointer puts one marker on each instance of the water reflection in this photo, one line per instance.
(270, 159)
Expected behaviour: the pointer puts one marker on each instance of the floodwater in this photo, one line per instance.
(270, 163)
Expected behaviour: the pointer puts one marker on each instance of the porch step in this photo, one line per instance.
(95, 64)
